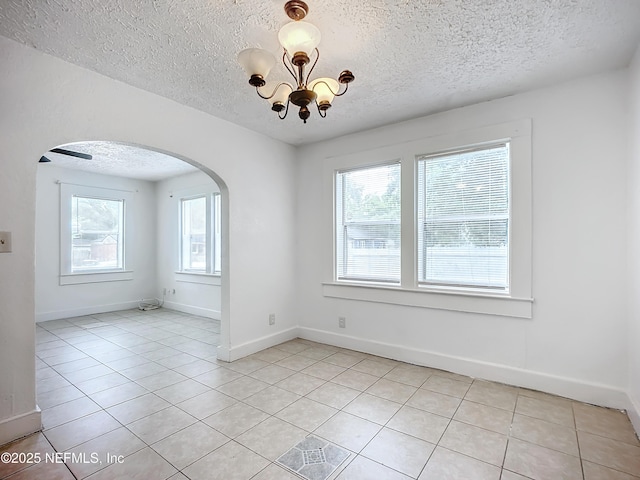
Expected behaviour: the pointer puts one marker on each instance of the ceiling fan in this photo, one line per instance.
(63, 151)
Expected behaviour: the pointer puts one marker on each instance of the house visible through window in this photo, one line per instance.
(97, 237)
(200, 234)
(368, 224)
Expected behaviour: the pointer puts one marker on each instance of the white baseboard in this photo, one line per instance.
(20, 426)
(633, 410)
(88, 310)
(597, 394)
(202, 312)
(244, 349)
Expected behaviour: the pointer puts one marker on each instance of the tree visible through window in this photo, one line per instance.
(368, 224)
(97, 234)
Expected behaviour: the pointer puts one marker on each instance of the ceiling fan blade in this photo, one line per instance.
(63, 151)
(43, 159)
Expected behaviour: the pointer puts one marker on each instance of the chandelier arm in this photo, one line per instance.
(306, 81)
(346, 87)
(335, 94)
(284, 58)
(320, 112)
(285, 112)
(274, 90)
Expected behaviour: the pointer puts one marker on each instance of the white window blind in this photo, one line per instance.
(463, 218)
(368, 224)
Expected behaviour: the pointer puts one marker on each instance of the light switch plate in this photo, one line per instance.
(5, 242)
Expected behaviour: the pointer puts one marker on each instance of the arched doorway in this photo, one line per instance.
(160, 186)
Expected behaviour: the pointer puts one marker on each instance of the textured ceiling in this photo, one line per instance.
(111, 158)
(410, 57)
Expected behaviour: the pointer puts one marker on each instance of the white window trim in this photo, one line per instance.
(67, 276)
(516, 303)
(189, 276)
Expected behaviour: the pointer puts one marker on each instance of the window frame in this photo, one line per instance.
(67, 274)
(517, 302)
(213, 237)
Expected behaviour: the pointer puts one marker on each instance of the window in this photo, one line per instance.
(447, 225)
(463, 218)
(97, 238)
(200, 234)
(368, 224)
(95, 234)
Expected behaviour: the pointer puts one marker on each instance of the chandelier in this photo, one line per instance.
(299, 40)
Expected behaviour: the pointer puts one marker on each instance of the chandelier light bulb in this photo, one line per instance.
(299, 37)
(256, 63)
(325, 89)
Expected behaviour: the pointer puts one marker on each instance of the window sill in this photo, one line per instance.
(200, 278)
(456, 301)
(95, 277)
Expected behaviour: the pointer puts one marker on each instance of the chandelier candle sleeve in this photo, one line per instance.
(300, 42)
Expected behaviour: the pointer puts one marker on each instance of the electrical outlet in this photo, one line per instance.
(342, 322)
(272, 319)
(5, 242)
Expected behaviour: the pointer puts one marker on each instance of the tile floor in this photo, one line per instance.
(140, 395)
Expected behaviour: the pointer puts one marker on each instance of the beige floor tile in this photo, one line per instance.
(389, 390)
(353, 379)
(272, 399)
(66, 412)
(161, 424)
(598, 472)
(605, 422)
(217, 377)
(271, 438)
(545, 434)
(272, 374)
(51, 383)
(293, 347)
(372, 367)
(507, 475)
(334, 395)
(229, 462)
(58, 396)
(483, 416)
(546, 397)
(137, 408)
(372, 408)
(79, 376)
(76, 365)
(102, 383)
(324, 370)
(143, 370)
(274, 472)
(145, 464)
(433, 402)
(33, 444)
(541, 463)
(81, 430)
(196, 368)
(348, 431)
(178, 360)
(161, 380)
(399, 451)
(361, 468)
(445, 385)
(43, 470)
(115, 395)
(448, 465)
(189, 445)
(343, 360)
(307, 414)
(475, 442)
(296, 362)
(317, 352)
(181, 391)
(419, 423)
(236, 419)
(410, 375)
(271, 355)
(242, 387)
(206, 404)
(127, 362)
(246, 365)
(300, 383)
(553, 412)
(609, 453)
(493, 394)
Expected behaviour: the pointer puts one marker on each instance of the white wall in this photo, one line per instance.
(48, 102)
(633, 246)
(53, 300)
(190, 295)
(576, 342)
